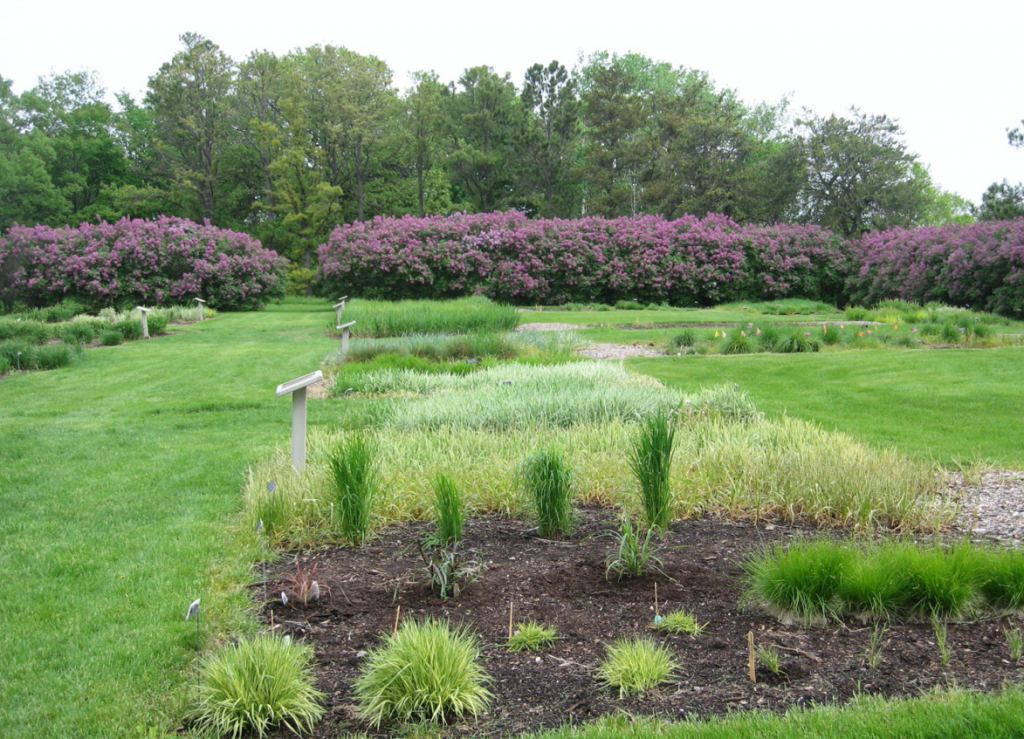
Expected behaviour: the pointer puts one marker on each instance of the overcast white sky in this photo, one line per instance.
(951, 73)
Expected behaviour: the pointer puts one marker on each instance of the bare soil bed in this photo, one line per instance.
(563, 584)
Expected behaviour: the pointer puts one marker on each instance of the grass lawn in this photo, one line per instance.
(944, 404)
(119, 477)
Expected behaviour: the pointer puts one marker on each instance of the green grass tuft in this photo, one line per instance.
(530, 636)
(425, 671)
(256, 685)
(651, 462)
(635, 665)
(354, 468)
(800, 582)
(448, 509)
(547, 479)
(680, 621)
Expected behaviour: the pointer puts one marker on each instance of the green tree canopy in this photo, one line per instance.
(860, 176)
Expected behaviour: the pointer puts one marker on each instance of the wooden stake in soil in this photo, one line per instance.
(750, 657)
(657, 613)
(510, 620)
(398, 613)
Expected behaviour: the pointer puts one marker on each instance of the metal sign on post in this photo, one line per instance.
(344, 328)
(338, 308)
(297, 388)
(145, 322)
(201, 302)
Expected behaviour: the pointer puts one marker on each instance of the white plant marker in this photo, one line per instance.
(193, 610)
(297, 388)
(200, 301)
(145, 323)
(345, 333)
(338, 308)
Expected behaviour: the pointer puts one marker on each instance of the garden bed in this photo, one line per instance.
(562, 584)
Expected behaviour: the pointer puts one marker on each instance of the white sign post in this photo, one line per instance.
(338, 308)
(344, 328)
(297, 388)
(145, 323)
(200, 301)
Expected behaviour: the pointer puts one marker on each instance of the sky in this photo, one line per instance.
(950, 73)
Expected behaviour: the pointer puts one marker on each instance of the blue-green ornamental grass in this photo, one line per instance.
(256, 685)
(426, 671)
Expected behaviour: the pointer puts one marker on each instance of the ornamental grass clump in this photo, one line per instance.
(797, 342)
(680, 621)
(426, 671)
(999, 575)
(938, 583)
(737, 342)
(635, 665)
(256, 685)
(651, 462)
(448, 509)
(547, 478)
(383, 318)
(530, 636)
(800, 583)
(634, 554)
(354, 470)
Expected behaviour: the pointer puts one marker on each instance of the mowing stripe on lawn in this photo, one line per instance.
(949, 404)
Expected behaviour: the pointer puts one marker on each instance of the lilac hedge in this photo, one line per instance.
(506, 256)
(980, 265)
(138, 262)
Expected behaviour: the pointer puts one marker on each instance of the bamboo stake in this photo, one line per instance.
(657, 614)
(510, 619)
(750, 657)
(398, 613)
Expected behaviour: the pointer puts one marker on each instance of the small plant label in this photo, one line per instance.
(145, 323)
(345, 334)
(297, 388)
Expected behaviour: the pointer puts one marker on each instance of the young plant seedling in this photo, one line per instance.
(1015, 643)
(769, 657)
(873, 657)
(530, 636)
(941, 640)
(680, 622)
(633, 556)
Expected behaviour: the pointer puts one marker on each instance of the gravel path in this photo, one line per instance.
(993, 508)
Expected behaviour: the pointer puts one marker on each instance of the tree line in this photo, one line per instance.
(287, 147)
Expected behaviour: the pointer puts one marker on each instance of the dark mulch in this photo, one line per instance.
(563, 584)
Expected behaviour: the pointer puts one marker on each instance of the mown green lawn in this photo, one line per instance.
(119, 477)
(944, 404)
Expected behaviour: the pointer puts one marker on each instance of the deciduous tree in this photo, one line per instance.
(860, 176)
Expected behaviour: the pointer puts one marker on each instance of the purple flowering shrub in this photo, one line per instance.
(980, 265)
(137, 262)
(689, 261)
